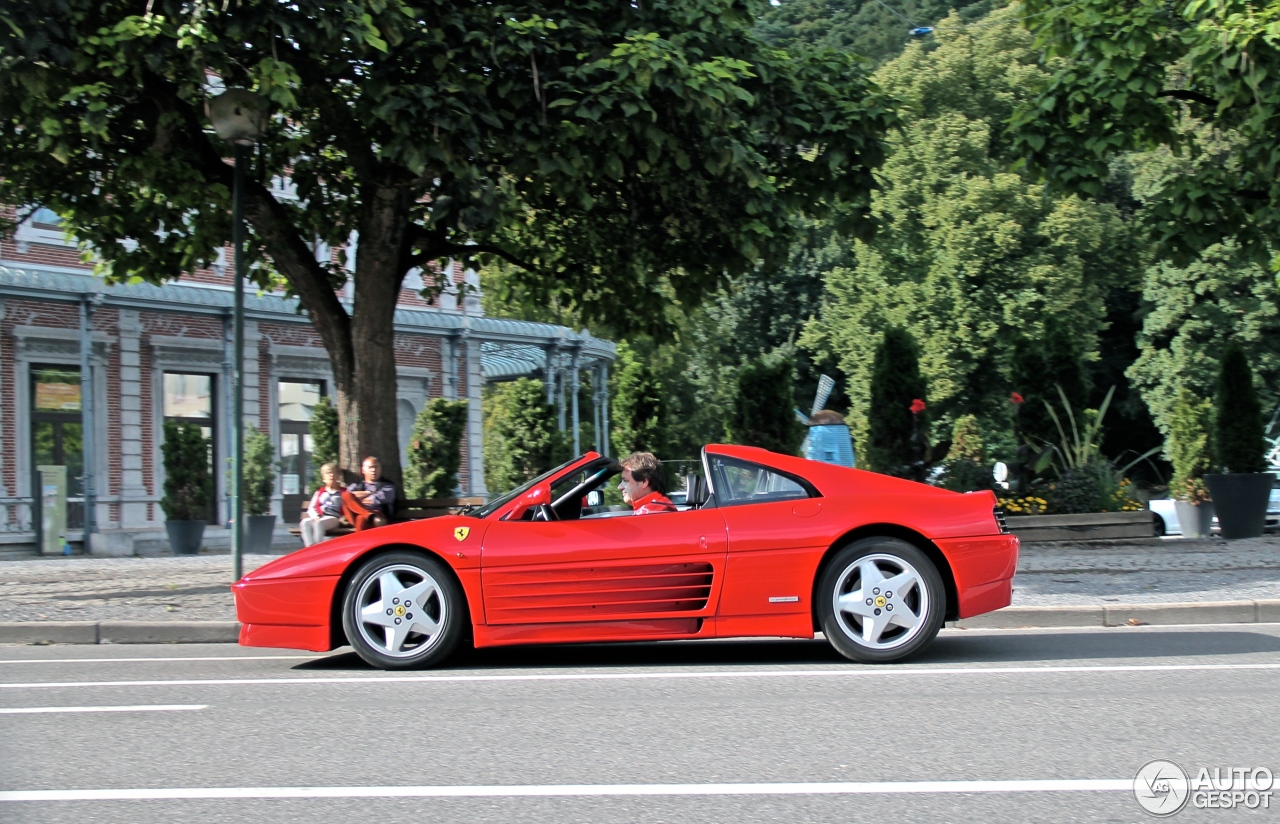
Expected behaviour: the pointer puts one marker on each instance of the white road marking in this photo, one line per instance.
(163, 660)
(851, 672)
(134, 708)
(588, 790)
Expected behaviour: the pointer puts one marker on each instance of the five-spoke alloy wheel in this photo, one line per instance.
(880, 600)
(403, 610)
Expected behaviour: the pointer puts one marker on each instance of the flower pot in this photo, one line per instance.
(1240, 499)
(185, 536)
(1194, 519)
(259, 531)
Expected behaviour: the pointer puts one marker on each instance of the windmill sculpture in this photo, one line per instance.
(829, 439)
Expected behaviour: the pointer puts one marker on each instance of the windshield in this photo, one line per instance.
(498, 503)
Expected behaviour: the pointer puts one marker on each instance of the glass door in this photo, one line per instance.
(57, 431)
(189, 399)
(298, 474)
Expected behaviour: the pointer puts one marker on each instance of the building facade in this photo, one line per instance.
(90, 372)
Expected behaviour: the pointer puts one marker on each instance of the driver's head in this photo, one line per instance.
(641, 474)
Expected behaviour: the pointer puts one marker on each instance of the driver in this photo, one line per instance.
(644, 484)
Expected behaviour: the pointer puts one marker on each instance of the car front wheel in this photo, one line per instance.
(880, 600)
(403, 610)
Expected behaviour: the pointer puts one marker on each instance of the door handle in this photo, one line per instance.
(702, 541)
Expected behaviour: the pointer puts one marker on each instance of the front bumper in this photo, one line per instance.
(290, 613)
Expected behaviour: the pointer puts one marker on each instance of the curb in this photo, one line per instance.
(1118, 615)
(119, 632)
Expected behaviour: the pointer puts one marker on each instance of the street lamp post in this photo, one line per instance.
(238, 116)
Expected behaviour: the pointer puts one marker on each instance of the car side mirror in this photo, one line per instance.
(595, 498)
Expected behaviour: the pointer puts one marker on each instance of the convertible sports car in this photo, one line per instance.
(764, 545)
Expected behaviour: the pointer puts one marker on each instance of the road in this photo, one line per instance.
(710, 731)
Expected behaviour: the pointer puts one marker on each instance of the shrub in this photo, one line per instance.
(188, 482)
(259, 472)
(763, 412)
(521, 436)
(1188, 447)
(1237, 416)
(1095, 487)
(896, 436)
(435, 449)
(637, 400)
(324, 436)
(966, 468)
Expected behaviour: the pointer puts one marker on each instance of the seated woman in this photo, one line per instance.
(325, 510)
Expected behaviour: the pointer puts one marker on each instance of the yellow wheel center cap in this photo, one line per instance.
(880, 601)
(400, 611)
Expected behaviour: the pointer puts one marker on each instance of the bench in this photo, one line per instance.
(411, 509)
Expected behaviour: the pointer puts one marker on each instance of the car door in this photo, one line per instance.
(667, 564)
(775, 543)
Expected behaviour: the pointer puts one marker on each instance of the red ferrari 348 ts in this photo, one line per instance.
(764, 545)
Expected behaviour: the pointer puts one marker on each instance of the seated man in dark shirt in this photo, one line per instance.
(374, 494)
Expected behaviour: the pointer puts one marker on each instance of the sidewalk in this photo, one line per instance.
(96, 600)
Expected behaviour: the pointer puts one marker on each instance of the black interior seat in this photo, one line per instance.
(696, 491)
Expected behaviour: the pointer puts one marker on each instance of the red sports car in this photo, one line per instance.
(765, 545)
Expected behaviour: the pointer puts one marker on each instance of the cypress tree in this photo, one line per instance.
(1237, 416)
(895, 434)
(764, 407)
(435, 449)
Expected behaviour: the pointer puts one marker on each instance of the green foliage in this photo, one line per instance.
(863, 27)
(521, 439)
(259, 472)
(1238, 442)
(435, 449)
(896, 435)
(972, 259)
(1129, 76)
(763, 411)
(966, 468)
(609, 147)
(324, 436)
(637, 404)
(188, 482)
(1044, 371)
(1194, 313)
(966, 440)
(1079, 444)
(1092, 487)
(1188, 447)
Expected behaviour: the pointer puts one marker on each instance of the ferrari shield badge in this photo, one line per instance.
(462, 532)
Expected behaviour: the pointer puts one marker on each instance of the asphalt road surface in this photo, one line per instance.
(988, 726)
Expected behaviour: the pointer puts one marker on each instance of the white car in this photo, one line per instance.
(1166, 517)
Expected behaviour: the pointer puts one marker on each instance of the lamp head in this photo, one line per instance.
(238, 115)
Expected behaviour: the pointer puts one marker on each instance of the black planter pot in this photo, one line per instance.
(258, 533)
(185, 537)
(1240, 501)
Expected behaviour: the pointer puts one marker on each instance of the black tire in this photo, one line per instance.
(414, 646)
(1160, 529)
(894, 642)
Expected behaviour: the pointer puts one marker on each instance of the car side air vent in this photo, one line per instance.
(1000, 520)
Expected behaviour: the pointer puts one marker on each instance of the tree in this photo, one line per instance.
(1039, 368)
(1238, 444)
(1188, 447)
(1193, 76)
(324, 435)
(188, 482)
(1195, 312)
(521, 439)
(898, 426)
(637, 399)
(621, 154)
(972, 259)
(763, 411)
(435, 449)
(874, 30)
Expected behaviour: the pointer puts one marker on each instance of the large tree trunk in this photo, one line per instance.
(361, 346)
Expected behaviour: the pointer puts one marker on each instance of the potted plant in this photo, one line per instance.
(1240, 491)
(1188, 450)
(259, 484)
(187, 486)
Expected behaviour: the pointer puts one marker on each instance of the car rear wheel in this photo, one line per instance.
(880, 600)
(403, 610)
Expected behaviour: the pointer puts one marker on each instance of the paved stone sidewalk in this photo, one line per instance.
(197, 588)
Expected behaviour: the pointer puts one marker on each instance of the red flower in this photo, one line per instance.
(1016, 399)
(917, 406)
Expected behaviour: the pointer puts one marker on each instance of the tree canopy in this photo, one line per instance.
(621, 155)
(1201, 77)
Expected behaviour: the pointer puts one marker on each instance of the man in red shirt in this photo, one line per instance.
(644, 484)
